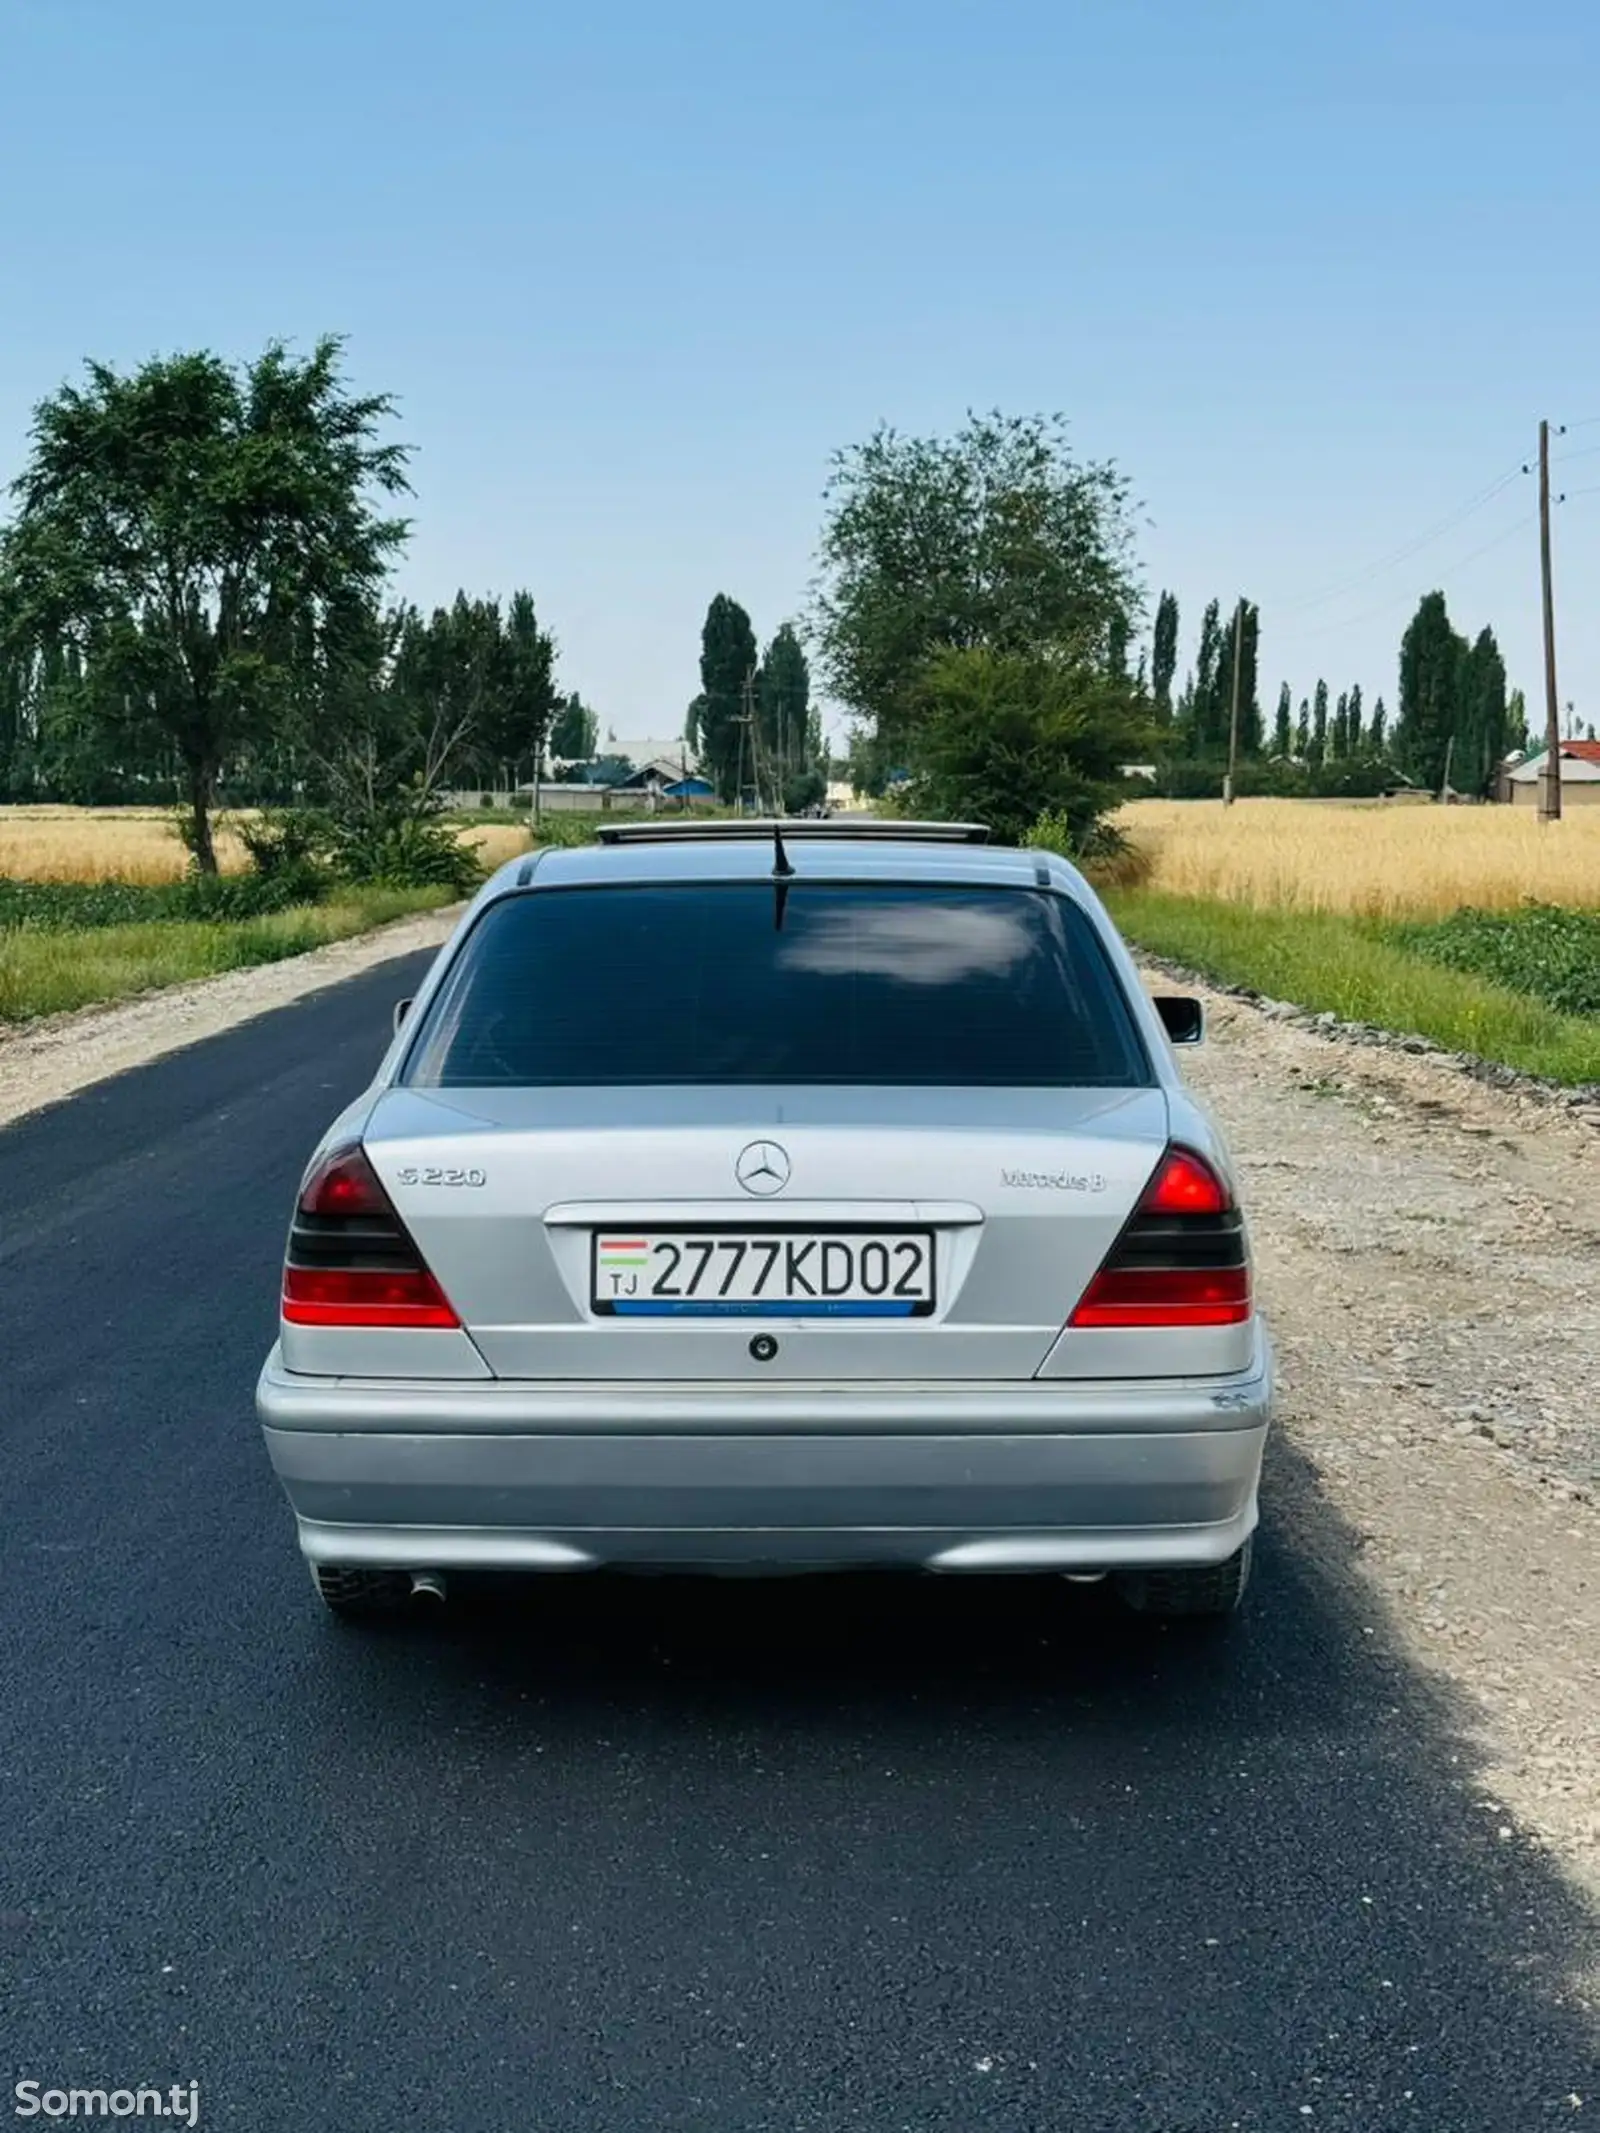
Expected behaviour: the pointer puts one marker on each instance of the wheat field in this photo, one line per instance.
(1370, 859)
(140, 844)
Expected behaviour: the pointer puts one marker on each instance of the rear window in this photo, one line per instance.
(930, 987)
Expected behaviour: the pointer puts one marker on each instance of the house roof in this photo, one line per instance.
(1580, 765)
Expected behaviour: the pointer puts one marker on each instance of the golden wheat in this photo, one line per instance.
(1378, 860)
(100, 844)
(141, 844)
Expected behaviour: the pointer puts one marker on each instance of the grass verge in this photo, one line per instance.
(45, 973)
(1330, 963)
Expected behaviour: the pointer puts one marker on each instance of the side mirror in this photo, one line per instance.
(402, 1008)
(1185, 1019)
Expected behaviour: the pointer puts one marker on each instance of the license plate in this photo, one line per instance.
(753, 1273)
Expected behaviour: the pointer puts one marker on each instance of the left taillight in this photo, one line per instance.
(351, 1260)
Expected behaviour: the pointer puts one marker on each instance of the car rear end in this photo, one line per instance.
(722, 1208)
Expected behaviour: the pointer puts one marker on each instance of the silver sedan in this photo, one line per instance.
(752, 1197)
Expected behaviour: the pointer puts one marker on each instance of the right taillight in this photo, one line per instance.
(351, 1261)
(1181, 1260)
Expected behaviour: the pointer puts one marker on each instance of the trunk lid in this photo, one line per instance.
(1019, 1193)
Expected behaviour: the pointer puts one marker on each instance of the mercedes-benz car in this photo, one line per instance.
(767, 1197)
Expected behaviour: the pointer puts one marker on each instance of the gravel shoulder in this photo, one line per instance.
(1429, 1256)
(46, 1061)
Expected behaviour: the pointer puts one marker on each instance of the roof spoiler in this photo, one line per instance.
(863, 829)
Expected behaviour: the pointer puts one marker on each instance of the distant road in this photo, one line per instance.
(668, 1858)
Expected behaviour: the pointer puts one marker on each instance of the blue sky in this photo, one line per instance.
(1310, 274)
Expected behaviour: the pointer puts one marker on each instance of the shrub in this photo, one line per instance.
(1002, 738)
(399, 846)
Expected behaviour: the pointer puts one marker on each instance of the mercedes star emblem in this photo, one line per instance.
(762, 1167)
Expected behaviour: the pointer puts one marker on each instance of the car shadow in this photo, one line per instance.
(1212, 1880)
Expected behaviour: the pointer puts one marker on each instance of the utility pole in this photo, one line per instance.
(1550, 780)
(1233, 716)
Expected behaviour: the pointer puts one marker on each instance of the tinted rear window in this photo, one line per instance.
(697, 983)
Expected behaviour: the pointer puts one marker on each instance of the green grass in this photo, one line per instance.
(1362, 973)
(45, 972)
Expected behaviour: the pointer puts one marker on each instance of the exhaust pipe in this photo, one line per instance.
(427, 1584)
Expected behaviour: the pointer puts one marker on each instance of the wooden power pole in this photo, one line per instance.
(1550, 778)
(1233, 715)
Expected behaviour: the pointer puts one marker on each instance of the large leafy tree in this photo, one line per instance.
(996, 538)
(727, 745)
(189, 529)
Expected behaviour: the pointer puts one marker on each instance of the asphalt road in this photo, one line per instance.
(689, 1857)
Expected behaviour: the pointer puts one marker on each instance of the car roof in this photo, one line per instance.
(812, 857)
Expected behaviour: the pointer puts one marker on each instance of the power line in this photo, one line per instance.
(1409, 548)
(1326, 629)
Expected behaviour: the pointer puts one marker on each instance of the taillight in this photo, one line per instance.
(351, 1260)
(1181, 1260)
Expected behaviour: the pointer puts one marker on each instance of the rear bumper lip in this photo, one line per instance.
(287, 1401)
(777, 1549)
(1035, 1476)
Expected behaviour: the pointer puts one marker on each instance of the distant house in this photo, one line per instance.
(1521, 777)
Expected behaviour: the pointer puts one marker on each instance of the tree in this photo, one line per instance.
(574, 730)
(523, 715)
(1431, 664)
(1483, 723)
(1282, 727)
(995, 538)
(1164, 654)
(1247, 621)
(189, 529)
(727, 666)
(1005, 737)
(783, 693)
(1517, 720)
(1319, 724)
(1341, 726)
(1355, 738)
(1378, 731)
(1302, 732)
(1199, 708)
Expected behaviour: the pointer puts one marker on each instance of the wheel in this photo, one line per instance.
(1211, 1591)
(360, 1595)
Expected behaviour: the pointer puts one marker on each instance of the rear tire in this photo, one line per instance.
(1210, 1592)
(360, 1595)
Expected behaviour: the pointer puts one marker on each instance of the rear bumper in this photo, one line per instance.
(1035, 1476)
